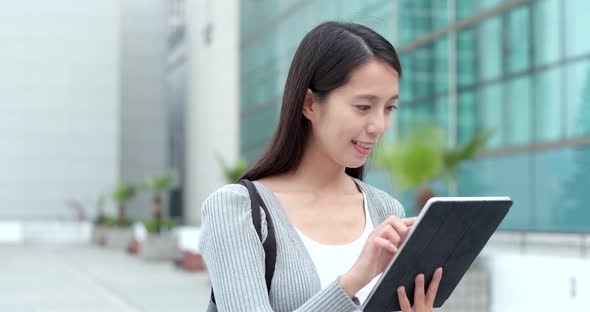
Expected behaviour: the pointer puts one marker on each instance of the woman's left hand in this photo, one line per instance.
(422, 302)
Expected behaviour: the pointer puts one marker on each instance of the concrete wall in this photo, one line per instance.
(59, 102)
(520, 271)
(539, 283)
(539, 271)
(212, 123)
(143, 140)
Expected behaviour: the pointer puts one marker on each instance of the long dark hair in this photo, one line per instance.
(323, 62)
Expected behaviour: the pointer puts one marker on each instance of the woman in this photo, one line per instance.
(334, 233)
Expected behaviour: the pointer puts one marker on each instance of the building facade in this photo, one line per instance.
(518, 68)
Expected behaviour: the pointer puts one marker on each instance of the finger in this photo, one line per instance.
(419, 291)
(408, 233)
(397, 225)
(392, 236)
(385, 244)
(404, 303)
(433, 287)
(409, 221)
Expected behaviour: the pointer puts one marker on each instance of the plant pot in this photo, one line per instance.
(134, 247)
(98, 235)
(118, 238)
(190, 261)
(159, 247)
(422, 196)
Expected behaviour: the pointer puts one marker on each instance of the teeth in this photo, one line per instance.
(363, 145)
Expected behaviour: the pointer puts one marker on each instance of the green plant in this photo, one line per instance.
(424, 157)
(157, 225)
(232, 172)
(122, 194)
(116, 221)
(100, 215)
(414, 162)
(453, 157)
(158, 185)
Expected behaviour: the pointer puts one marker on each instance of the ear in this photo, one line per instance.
(310, 108)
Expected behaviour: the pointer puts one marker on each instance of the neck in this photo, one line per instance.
(317, 171)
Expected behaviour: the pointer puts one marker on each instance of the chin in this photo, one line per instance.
(355, 163)
(354, 167)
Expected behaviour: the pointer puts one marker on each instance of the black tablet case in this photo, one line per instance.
(451, 235)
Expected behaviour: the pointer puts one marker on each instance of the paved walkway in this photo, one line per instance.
(91, 279)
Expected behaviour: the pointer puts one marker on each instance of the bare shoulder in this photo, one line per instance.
(276, 183)
(270, 182)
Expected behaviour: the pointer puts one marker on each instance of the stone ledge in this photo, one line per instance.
(11, 232)
(541, 243)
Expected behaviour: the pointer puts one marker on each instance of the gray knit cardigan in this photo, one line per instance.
(235, 258)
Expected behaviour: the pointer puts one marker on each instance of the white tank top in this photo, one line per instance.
(332, 261)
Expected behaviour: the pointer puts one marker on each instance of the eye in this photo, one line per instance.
(363, 107)
(391, 107)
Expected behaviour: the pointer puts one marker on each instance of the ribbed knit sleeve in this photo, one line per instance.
(235, 259)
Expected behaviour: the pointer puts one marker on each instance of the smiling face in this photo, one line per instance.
(351, 119)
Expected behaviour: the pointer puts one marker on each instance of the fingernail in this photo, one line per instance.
(400, 289)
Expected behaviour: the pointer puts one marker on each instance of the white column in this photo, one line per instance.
(143, 140)
(212, 113)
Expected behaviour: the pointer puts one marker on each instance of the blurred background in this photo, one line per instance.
(119, 117)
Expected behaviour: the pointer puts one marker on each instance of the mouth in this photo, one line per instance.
(362, 147)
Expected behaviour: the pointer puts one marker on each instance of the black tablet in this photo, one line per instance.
(449, 232)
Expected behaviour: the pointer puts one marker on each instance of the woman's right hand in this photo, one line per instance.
(381, 245)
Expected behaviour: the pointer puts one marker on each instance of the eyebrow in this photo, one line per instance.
(374, 98)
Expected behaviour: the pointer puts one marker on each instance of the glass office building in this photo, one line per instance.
(519, 68)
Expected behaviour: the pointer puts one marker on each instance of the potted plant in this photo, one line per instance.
(424, 157)
(158, 186)
(159, 244)
(122, 194)
(453, 157)
(119, 232)
(98, 231)
(232, 172)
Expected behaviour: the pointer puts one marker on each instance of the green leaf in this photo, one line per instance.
(414, 162)
(424, 156)
(154, 225)
(116, 222)
(159, 184)
(123, 193)
(470, 150)
(232, 173)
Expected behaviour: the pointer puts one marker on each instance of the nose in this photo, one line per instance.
(377, 124)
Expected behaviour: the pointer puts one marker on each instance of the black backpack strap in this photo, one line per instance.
(270, 244)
